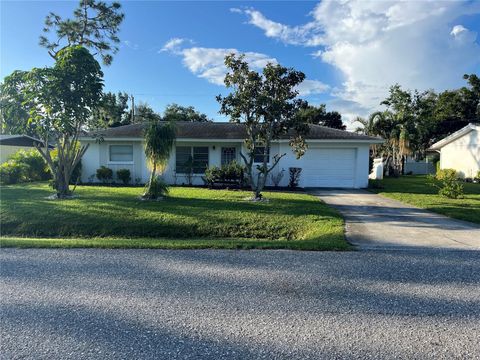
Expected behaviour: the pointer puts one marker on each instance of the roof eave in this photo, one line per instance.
(452, 137)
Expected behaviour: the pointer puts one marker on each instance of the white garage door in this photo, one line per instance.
(327, 167)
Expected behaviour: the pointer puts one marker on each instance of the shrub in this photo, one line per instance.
(124, 175)
(231, 172)
(212, 174)
(104, 174)
(447, 183)
(277, 178)
(12, 172)
(295, 173)
(157, 189)
(36, 169)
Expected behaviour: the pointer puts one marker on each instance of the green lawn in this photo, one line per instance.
(188, 218)
(414, 190)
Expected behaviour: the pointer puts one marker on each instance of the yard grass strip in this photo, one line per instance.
(112, 243)
(414, 190)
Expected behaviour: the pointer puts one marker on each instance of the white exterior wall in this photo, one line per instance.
(462, 154)
(98, 155)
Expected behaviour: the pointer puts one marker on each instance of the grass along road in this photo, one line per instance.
(413, 190)
(189, 218)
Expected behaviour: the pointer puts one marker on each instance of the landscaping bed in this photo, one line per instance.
(414, 190)
(187, 218)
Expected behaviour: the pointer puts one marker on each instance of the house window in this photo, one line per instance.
(229, 154)
(121, 153)
(259, 154)
(191, 159)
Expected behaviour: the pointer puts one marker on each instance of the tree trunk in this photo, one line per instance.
(149, 192)
(62, 185)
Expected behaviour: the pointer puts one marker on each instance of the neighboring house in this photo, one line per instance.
(334, 158)
(461, 151)
(10, 144)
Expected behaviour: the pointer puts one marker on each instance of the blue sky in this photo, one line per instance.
(351, 52)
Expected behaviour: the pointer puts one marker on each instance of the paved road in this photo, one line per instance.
(373, 221)
(146, 304)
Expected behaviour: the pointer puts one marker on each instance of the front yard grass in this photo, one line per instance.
(189, 218)
(415, 191)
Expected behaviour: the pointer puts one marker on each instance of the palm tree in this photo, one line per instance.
(159, 141)
(393, 128)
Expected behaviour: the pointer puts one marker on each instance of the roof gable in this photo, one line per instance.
(456, 135)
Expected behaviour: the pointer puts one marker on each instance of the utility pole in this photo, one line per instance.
(133, 109)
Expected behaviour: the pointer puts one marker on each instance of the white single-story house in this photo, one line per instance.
(335, 158)
(460, 151)
(10, 144)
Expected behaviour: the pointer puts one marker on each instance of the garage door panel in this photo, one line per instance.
(324, 167)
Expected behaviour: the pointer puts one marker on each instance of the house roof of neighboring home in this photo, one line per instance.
(456, 135)
(20, 140)
(228, 131)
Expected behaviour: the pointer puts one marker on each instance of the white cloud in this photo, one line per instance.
(298, 35)
(208, 63)
(375, 44)
(174, 45)
(457, 30)
(462, 35)
(310, 87)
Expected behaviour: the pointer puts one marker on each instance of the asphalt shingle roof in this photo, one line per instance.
(19, 140)
(226, 130)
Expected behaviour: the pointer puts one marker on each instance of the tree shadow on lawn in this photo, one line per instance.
(173, 217)
(173, 204)
(102, 221)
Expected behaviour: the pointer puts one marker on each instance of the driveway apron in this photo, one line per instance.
(375, 222)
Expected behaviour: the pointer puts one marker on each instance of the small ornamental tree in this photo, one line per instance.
(159, 141)
(267, 104)
(60, 100)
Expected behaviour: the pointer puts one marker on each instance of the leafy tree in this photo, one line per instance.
(267, 104)
(112, 111)
(454, 109)
(13, 113)
(94, 25)
(61, 100)
(318, 115)
(175, 112)
(159, 141)
(144, 112)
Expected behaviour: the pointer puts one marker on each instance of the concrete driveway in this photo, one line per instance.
(375, 222)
